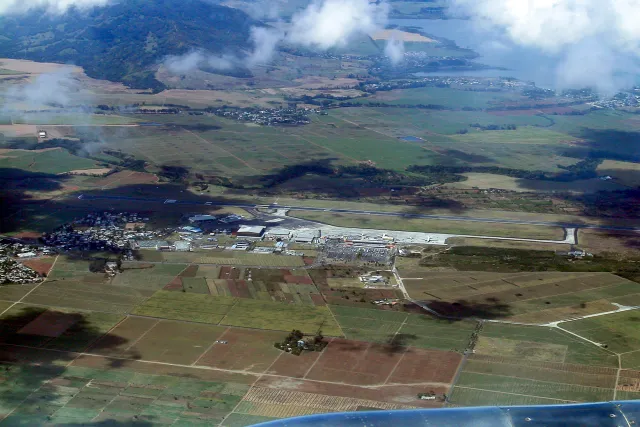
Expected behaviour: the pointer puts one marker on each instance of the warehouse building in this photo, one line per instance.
(251, 230)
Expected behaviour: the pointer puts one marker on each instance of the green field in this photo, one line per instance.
(479, 397)
(619, 332)
(239, 312)
(403, 328)
(534, 388)
(577, 350)
(51, 161)
(73, 119)
(447, 97)
(79, 395)
(433, 225)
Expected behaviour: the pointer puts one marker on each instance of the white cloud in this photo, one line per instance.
(182, 64)
(52, 6)
(394, 50)
(265, 41)
(593, 42)
(328, 23)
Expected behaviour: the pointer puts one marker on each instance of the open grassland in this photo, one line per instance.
(433, 225)
(577, 351)
(606, 241)
(74, 119)
(619, 332)
(239, 312)
(626, 173)
(53, 161)
(218, 146)
(521, 297)
(400, 328)
(508, 244)
(504, 387)
(447, 97)
(240, 258)
(515, 364)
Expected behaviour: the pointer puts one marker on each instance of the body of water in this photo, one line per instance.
(514, 61)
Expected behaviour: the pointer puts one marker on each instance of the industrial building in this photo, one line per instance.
(307, 236)
(251, 230)
(197, 218)
(279, 233)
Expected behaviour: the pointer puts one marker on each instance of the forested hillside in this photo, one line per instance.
(124, 41)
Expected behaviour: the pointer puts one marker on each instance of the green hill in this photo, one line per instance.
(125, 41)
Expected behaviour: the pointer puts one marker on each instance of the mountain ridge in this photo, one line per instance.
(125, 41)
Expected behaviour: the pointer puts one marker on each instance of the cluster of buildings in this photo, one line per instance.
(268, 116)
(102, 231)
(11, 270)
(445, 81)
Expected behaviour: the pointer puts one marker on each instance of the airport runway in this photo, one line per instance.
(359, 212)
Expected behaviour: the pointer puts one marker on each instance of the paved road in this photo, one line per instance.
(360, 212)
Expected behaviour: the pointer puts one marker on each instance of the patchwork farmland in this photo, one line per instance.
(532, 298)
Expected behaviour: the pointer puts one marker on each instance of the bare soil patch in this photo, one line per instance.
(50, 324)
(32, 67)
(40, 266)
(423, 366)
(19, 130)
(355, 362)
(294, 366)
(245, 350)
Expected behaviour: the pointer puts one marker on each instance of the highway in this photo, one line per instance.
(359, 212)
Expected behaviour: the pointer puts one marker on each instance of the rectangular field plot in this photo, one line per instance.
(403, 328)
(249, 313)
(534, 298)
(249, 259)
(553, 390)
(59, 329)
(427, 332)
(243, 349)
(620, 332)
(290, 365)
(577, 350)
(514, 368)
(462, 396)
(272, 398)
(186, 306)
(356, 363)
(158, 340)
(241, 312)
(87, 296)
(425, 366)
(149, 278)
(80, 395)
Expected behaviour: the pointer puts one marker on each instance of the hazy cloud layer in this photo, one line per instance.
(330, 23)
(53, 6)
(46, 90)
(265, 41)
(590, 42)
(323, 24)
(181, 64)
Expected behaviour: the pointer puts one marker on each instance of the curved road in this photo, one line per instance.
(361, 212)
